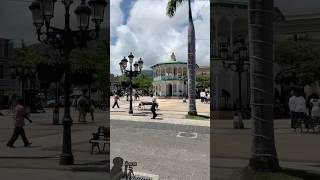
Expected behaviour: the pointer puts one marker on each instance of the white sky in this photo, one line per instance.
(146, 31)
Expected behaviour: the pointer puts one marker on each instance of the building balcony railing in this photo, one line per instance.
(167, 78)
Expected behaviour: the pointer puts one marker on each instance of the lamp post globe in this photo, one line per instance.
(130, 58)
(47, 9)
(83, 13)
(124, 63)
(140, 63)
(136, 66)
(37, 17)
(98, 7)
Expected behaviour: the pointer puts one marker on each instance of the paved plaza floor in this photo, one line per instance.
(41, 160)
(230, 148)
(168, 108)
(153, 143)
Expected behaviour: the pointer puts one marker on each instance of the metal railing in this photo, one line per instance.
(167, 78)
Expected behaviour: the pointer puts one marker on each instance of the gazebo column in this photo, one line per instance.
(165, 71)
(216, 34)
(231, 20)
(172, 70)
(172, 92)
(217, 74)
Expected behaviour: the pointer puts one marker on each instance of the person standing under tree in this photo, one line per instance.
(19, 115)
(202, 96)
(83, 108)
(116, 99)
(299, 109)
(153, 107)
(291, 105)
(91, 108)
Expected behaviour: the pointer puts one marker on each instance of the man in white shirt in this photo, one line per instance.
(202, 96)
(291, 105)
(153, 106)
(297, 105)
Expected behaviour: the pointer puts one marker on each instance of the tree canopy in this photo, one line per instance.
(143, 82)
(299, 62)
(88, 65)
(202, 81)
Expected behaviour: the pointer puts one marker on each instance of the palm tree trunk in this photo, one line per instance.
(191, 65)
(263, 155)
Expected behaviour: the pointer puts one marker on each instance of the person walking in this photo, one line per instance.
(83, 108)
(153, 106)
(208, 97)
(116, 99)
(291, 105)
(315, 111)
(299, 109)
(19, 115)
(314, 95)
(91, 108)
(202, 96)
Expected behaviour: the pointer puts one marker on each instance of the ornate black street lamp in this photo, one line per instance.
(65, 40)
(238, 63)
(130, 73)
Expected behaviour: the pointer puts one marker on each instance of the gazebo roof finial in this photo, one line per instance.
(173, 57)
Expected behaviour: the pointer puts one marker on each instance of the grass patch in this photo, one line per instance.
(197, 117)
(283, 174)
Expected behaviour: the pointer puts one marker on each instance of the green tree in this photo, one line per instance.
(171, 10)
(263, 154)
(298, 61)
(28, 57)
(203, 81)
(92, 64)
(143, 82)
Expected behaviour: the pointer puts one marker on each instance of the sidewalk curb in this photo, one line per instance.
(203, 123)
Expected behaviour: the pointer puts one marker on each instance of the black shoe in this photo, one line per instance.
(27, 145)
(10, 146)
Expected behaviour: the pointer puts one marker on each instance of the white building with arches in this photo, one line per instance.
(170, 78)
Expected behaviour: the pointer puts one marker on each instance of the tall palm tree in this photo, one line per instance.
(263, 155)
(171, 10)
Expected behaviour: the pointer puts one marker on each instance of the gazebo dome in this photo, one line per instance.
(231, 3)
(173, 60)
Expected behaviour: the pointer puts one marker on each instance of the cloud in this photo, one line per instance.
(116, 16)
(153, 36)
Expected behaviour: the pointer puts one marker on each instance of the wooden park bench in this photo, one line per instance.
(101, 136)
(142, 105)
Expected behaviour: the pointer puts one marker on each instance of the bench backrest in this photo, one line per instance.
(146, 103)
(102, 132)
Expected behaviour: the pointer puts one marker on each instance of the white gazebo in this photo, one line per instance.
(169, 78)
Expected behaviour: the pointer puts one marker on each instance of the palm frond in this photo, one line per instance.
(172, 7)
